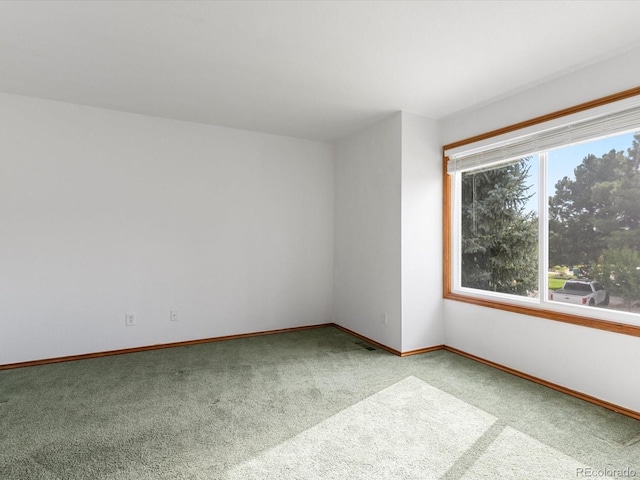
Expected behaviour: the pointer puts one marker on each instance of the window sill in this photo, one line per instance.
(610, 326)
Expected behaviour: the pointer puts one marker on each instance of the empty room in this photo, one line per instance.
(319, 240)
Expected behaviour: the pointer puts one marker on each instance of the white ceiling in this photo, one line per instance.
(310, 69)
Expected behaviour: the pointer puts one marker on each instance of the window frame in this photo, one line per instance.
(559, 313)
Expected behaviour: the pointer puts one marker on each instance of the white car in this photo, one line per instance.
(581, 292)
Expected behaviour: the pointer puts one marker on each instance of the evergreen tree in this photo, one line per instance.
(499, 238)
(581, 214)
(598, 211)
(595, 219)
(619, 272)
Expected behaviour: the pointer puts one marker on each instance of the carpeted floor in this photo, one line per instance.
(307, 404)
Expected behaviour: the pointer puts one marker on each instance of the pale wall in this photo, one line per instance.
(367, 232)
(591, 361)
(604, 78)
(105, 213)
(422, 304)
(388, 240)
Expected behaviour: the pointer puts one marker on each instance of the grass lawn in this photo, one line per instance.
(556, 283)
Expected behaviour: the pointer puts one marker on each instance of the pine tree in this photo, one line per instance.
(619, 272)
(595, 220)
(598, 211)
(499, 238)
(582, 213)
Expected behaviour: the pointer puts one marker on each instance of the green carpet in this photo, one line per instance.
(410, 431)
(308, 404)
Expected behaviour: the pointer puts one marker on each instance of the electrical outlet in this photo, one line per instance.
(130, 319)
(173, 315)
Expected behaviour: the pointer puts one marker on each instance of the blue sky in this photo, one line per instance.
(563, 161)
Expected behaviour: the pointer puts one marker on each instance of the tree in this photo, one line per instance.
(595, 219)
(619, 273)
(499, 238)
(599, 210)
(582, 213)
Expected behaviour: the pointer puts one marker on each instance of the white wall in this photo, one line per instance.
(105, 213)
(594, 362)
(367, 232)
(422, 304)
(388, 237)
(604, 78)
(599, 363)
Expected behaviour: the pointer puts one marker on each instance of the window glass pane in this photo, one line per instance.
(594, 223)
(499, 229)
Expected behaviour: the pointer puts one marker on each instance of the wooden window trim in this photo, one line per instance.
(448, 294)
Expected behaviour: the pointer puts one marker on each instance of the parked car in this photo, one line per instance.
(581, 292)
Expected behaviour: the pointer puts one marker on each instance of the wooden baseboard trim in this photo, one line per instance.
(582, 396)
(422, 350)
(368, 340)
(107, 353)
(384, 347)
(526, 376)
(85, 356)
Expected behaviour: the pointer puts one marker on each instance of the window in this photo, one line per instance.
(543, 218)
(498, 232)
